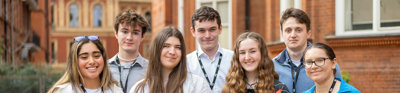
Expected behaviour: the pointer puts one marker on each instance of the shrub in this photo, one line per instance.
(27, 79)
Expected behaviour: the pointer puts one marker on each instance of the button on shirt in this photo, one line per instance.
(210, 66)
(138, 70)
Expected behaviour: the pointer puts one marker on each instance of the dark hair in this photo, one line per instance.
(131, 17)
(328, 50)
(206, 13)
(154, 76)
(298, 14)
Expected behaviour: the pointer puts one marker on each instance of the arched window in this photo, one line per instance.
(97, 15)
(73, 15)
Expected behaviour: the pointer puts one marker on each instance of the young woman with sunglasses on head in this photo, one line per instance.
(320, 63)
(252, 70)
(167, 72)
(87, 70)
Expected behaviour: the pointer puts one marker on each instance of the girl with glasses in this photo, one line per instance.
(167, 72)
(87, 70)
(252, 70)
(320, 63)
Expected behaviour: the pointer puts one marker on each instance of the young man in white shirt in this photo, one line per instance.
(128, 66)
(209, 61)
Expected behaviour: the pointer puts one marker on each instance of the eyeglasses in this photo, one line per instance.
(318, 62)
(90, 37)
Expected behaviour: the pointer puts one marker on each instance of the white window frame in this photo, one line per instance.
(340, 21)
(229, 23)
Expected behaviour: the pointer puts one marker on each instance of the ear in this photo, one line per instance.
(309, 34)
(334, 63)
(115, 33)
(193, 31)
(220, 29)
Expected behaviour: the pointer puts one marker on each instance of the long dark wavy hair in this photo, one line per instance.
(236, 78)
(154, 76)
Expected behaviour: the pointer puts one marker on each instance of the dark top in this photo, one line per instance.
(279, 86)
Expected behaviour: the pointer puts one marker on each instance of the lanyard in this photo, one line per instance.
(332, 86)
(204, 71)
(84, 90)
(127, 77)
(295, 74)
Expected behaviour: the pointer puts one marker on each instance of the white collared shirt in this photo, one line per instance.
(210, 66)
(192, 84)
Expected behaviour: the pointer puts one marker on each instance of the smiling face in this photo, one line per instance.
(319, 73)
(129, 37)
(249, 55)
(90, 61)
(171, 53)
(295, 34)
(206, 33)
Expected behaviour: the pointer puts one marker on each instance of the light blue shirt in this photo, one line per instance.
(210, 66)
(136, 73)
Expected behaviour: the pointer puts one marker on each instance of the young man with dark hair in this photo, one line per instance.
(210, 60)
(295, 29)
(128, 66)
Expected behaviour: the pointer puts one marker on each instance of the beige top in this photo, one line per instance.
(67, 88)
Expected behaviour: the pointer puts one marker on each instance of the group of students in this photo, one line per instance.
(301, 67)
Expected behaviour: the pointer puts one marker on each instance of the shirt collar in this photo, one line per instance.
(201, 52)
(283, 57)
(139, 60)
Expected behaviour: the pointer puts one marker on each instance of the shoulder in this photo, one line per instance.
(112, 59)
(63, 88)
(279, 86)
(311, 90)
(191, 54)
(133, 88)
(227, 51)
(347, 88)
(116, 89)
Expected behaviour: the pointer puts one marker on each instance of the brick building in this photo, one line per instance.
(24, 30)
(365, 34)
(91, 17)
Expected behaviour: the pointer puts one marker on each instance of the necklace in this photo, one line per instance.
(126, 60)
(252, 84)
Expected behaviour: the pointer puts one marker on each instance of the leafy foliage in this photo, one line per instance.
(346, 76)
(27, 79)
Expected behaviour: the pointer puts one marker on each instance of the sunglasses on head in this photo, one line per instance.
(90, 37)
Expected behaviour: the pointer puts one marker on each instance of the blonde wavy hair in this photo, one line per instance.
(236, 78)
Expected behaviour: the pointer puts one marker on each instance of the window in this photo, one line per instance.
(285, 4)
(97, 15)
(224, 8)
(367, 17)
(73, 15)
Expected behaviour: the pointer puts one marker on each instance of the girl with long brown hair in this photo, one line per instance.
(87, 70)
(167, 72)
(252, 71)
